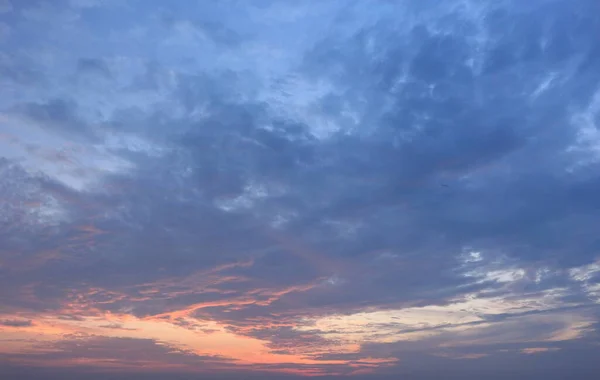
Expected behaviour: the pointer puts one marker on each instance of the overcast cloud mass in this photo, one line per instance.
(274, 189)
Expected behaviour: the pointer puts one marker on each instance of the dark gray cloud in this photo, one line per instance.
(93, 351)
(16, 323)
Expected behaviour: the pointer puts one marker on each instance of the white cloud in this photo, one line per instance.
(585, 275)
(538, 350)
(472, 257)
(470, 319)
(588, 133)
(496, 270)
(585, 272)
(253, 192)
(76, 165)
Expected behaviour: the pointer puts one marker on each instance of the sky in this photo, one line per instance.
(278, 189)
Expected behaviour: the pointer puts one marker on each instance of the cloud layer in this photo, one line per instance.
(314, 188)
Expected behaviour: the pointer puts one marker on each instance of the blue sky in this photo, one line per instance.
(300, 188)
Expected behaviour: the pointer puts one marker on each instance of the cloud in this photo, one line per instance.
(5, 6)
(115, 326)
(343, 189)
(537, 350)
(93, 66)
(16, 323)
(115, 353)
